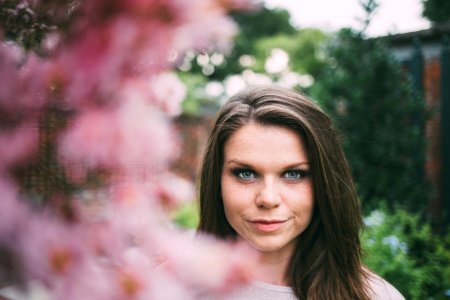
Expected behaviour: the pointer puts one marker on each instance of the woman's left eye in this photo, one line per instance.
(294, 174)
(244, 174)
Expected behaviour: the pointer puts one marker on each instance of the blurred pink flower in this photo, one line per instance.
(108, 69)
(157, 284)
(165, 90)
(133, 211)
(206, 264)
(129, 137)
(23, 82)
(206, 26)
(17, 145)
(93, 281)
(98, 55)
(162, 11)
(169, 92)
(98, 59)
(60, 256)
(13, 212)
(90, 65)
(172, 191)
(50, 248)
(104, 240)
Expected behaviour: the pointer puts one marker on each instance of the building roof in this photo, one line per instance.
(431, 35)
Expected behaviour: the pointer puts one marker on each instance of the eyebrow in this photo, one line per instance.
(244, 164)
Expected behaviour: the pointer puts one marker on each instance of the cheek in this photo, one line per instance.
(302, 201)
(235, 197)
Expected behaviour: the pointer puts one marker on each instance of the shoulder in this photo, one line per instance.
(380, 289)
(256, 290)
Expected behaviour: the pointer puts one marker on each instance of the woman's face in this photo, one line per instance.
(266, 186)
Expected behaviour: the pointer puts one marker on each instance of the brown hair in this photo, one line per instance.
(326, 263)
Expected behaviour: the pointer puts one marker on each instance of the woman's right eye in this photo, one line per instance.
(245, 174)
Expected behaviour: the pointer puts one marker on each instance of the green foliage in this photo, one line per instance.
(196, 101)
(436, 11)
(261, 31)
(187, 215)
(253, 25)
(404, 251)
(304, 48)
(260, 28)
(264, 22)
(371, 99)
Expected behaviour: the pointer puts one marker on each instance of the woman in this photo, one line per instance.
(275, 176)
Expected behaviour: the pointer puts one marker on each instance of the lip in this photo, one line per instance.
(266, 225)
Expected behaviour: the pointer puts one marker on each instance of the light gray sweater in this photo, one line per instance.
(380, 290)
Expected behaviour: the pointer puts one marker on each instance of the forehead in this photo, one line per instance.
(256, 143)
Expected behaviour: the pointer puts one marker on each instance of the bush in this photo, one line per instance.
(402, 249)
(372, 101)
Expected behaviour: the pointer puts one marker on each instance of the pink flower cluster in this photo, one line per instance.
(128, 252)
(109, 75)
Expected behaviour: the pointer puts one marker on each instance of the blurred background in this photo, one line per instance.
(381, 70)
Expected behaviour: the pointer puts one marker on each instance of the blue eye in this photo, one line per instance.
(245, 174)
(294, 174)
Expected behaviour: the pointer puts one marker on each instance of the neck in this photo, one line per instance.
(272, 268)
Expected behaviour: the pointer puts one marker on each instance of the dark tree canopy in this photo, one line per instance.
(437, 11)
(381, 118)
(264, 22)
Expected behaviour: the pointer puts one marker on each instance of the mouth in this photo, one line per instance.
(266, 225)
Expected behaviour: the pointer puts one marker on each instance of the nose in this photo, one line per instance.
(269, 195)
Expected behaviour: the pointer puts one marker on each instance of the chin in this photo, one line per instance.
(265, 246)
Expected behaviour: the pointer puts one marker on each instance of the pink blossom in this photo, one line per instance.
(138, 275)
(207, 264)
(173, 190)
(133, 209)
(166, 286)
(91, 65)
(23, 82)
(150, 10)
(207, 25)
(13, 212)
(51, 42)
(169, 92)
(93, 281)
(130, 137)
(18, 144)
(60, 256)
(165, 91)
(97, 60)
(104, 240)
(133, 275)
(98, 55)
(50, 248)
(112, 70)
(130, 214)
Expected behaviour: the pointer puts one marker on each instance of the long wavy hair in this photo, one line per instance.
(326, 263)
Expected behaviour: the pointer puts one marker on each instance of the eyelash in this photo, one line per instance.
(238, 172)
(300, 174)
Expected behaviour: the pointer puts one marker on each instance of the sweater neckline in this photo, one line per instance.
(271, 287)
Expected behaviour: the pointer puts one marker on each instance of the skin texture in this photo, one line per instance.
(267, 191)
(326, 262)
